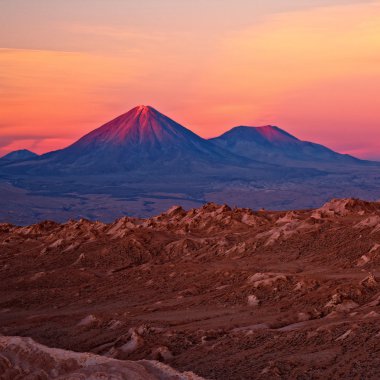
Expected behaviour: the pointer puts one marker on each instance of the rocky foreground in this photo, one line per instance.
(213, 292)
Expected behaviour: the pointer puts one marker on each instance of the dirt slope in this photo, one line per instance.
(225, 293)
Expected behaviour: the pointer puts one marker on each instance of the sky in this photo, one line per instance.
(310, 67)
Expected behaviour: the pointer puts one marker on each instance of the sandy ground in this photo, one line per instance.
(29, 199)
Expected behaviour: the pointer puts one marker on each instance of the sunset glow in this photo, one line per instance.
(313, 70)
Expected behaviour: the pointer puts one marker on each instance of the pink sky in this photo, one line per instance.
(311, 69)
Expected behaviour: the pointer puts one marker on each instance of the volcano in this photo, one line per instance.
(142, 139)
(272, 144)
(142, 129)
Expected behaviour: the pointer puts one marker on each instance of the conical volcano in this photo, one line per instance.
(142, 139)
(142, 128)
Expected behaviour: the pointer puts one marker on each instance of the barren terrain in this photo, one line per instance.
(31, 199)
(224, 293)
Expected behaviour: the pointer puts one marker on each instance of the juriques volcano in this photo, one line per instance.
(273, 144)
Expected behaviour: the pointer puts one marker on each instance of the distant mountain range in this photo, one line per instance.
(144, 139)
(18, 155)
(143, 162)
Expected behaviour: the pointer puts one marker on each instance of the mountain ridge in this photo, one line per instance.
(145, 139)
(18, 155)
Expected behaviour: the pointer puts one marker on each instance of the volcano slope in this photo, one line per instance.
(224, 293)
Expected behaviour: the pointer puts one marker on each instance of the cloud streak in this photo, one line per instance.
(309, 67)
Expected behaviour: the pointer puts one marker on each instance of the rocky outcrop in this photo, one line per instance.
(24, 358)
(202, 290)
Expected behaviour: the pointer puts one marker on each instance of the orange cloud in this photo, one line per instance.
(314, 72)
(57, 94)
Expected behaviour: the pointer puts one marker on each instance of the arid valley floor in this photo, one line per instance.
(213, 292)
